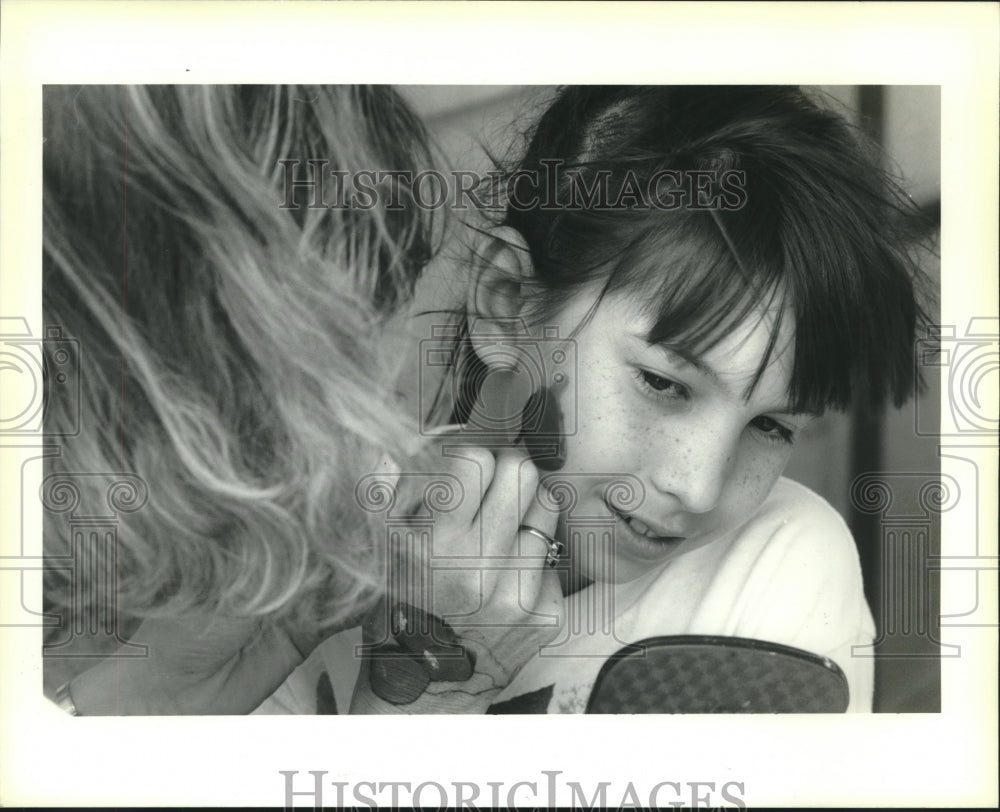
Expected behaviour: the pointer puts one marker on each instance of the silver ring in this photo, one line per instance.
(556, 547)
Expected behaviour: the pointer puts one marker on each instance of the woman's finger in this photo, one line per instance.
(538, 583)
(506, 501)
(447, 481)
(540, 515)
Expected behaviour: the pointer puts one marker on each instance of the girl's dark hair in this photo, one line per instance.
(796, 212)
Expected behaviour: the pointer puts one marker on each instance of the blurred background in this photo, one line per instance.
(876, 469)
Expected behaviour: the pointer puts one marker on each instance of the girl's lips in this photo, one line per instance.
(642, 541)
(643, 529)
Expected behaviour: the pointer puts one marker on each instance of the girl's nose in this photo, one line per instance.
(695, 472)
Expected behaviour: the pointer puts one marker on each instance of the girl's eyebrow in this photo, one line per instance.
(690, 360)
(682, 355)
(697, 363)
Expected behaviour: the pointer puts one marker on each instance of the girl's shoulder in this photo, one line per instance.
(796, 529)
(797, 507)
(796, 534)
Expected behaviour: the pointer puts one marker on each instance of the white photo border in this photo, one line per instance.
(944, 759)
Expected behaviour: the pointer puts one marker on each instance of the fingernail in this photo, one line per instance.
(396, 677)
(415, 629)
(448, 663)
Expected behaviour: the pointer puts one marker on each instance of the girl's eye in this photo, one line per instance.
(773, 430)
(662, 387)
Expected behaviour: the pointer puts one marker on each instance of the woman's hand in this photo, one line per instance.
(485, 582)
(486, 578)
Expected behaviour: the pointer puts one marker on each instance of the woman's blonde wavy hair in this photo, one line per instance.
(228, 345)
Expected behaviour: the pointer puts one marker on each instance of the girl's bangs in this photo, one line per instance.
(699, 275)
(695, 287)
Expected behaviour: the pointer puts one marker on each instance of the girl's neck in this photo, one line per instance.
(571, 580)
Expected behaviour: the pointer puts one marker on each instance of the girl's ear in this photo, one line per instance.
(501, 268)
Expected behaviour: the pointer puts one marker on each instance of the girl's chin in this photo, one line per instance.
(618, 573)
(620, 570)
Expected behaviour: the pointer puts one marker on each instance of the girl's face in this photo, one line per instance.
(705, 451)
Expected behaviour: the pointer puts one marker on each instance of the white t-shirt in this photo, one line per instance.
(788, 575)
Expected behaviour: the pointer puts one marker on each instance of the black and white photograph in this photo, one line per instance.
(663, 399)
